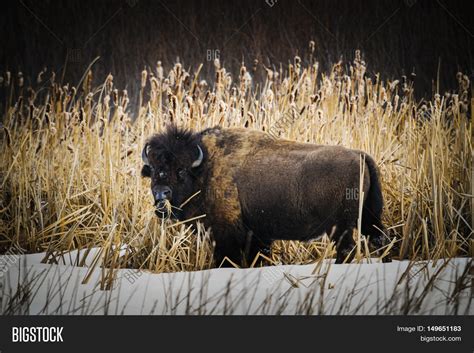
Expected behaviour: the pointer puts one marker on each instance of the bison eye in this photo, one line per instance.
(181, 174)
(162, 174)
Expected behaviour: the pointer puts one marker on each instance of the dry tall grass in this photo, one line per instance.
(70, 165)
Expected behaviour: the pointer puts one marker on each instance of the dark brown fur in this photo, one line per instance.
(255, 189)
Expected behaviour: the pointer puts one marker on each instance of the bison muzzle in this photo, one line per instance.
(254, 189)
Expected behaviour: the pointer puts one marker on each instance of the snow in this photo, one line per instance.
(367, 288)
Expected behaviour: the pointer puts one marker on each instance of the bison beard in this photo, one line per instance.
(255, 189)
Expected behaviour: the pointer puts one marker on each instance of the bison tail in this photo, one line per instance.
(372, 225)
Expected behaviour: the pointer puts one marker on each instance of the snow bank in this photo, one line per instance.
(399, 287)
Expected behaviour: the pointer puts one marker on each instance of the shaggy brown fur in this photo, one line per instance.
(255, 189)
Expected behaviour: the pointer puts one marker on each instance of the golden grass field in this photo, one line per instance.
(70, 158)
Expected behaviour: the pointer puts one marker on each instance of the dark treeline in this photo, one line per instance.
(430, 38)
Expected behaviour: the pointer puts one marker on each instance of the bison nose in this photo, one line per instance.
(162, 194)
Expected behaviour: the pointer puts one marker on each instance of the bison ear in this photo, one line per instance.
(146, 171)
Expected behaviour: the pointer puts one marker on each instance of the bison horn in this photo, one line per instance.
(198, 161)
(145, 154)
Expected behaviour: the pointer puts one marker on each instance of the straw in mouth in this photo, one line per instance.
(163, 209)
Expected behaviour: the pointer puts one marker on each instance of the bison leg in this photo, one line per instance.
(377, 241)
(374, 229)
(255, 245)
(228, 246)
(344, 244)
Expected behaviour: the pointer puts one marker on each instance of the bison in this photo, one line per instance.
(255, 189)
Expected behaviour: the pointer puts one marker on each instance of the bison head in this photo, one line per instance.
(173, 161)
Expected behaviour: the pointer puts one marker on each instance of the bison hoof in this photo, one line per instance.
(341, 259)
